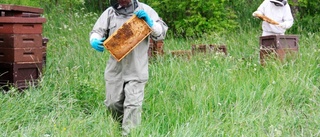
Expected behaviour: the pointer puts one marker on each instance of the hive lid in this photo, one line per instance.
(10, 7)
(127, 37)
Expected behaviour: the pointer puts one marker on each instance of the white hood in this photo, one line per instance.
(279, 2)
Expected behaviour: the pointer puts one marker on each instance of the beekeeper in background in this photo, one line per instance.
(277, 10)
(126, 80)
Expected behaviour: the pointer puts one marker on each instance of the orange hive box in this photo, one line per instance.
(267, 19)
(127, 37)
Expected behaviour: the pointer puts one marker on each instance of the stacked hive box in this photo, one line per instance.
(155, 48)
(22, 47)
(281, 45)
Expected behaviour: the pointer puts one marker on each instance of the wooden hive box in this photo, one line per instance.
(19, 11)
(127, 37)
(281, 45)
(20, 75)
(20, 40)
(19, 25)
(155, 48)
(33, 54)
(279, 41)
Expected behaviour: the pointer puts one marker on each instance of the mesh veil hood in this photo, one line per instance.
(124, 10)
(279, 2)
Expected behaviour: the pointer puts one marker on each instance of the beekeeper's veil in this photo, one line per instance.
(279, 2)
(133, 4)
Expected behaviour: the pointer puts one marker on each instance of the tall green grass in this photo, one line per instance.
(206, 95)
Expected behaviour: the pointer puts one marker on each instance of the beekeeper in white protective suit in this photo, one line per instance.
(279, 11)
(126, 80)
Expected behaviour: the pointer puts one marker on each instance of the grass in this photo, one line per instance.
(206, 95)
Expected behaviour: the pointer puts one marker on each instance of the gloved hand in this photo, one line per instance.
(97, 44)
(143, 15)
(282, 25)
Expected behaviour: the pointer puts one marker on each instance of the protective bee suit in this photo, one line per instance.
(279, 11)
(126, 80)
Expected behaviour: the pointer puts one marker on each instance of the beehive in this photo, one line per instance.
(280, 45)
(155, 48)
(22, 48)
(127, 37)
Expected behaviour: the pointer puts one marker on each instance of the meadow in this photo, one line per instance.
(206, 95)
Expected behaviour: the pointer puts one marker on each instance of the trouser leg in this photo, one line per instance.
(115, 99)
(134, 94)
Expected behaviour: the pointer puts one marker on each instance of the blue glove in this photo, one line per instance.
(97, 44)
(143, 15)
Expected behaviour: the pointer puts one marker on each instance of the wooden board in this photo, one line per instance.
(17, 8)
(266, 19)
(127, 37)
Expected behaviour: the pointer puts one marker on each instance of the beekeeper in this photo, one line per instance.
(126, 80)
(277, 10)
